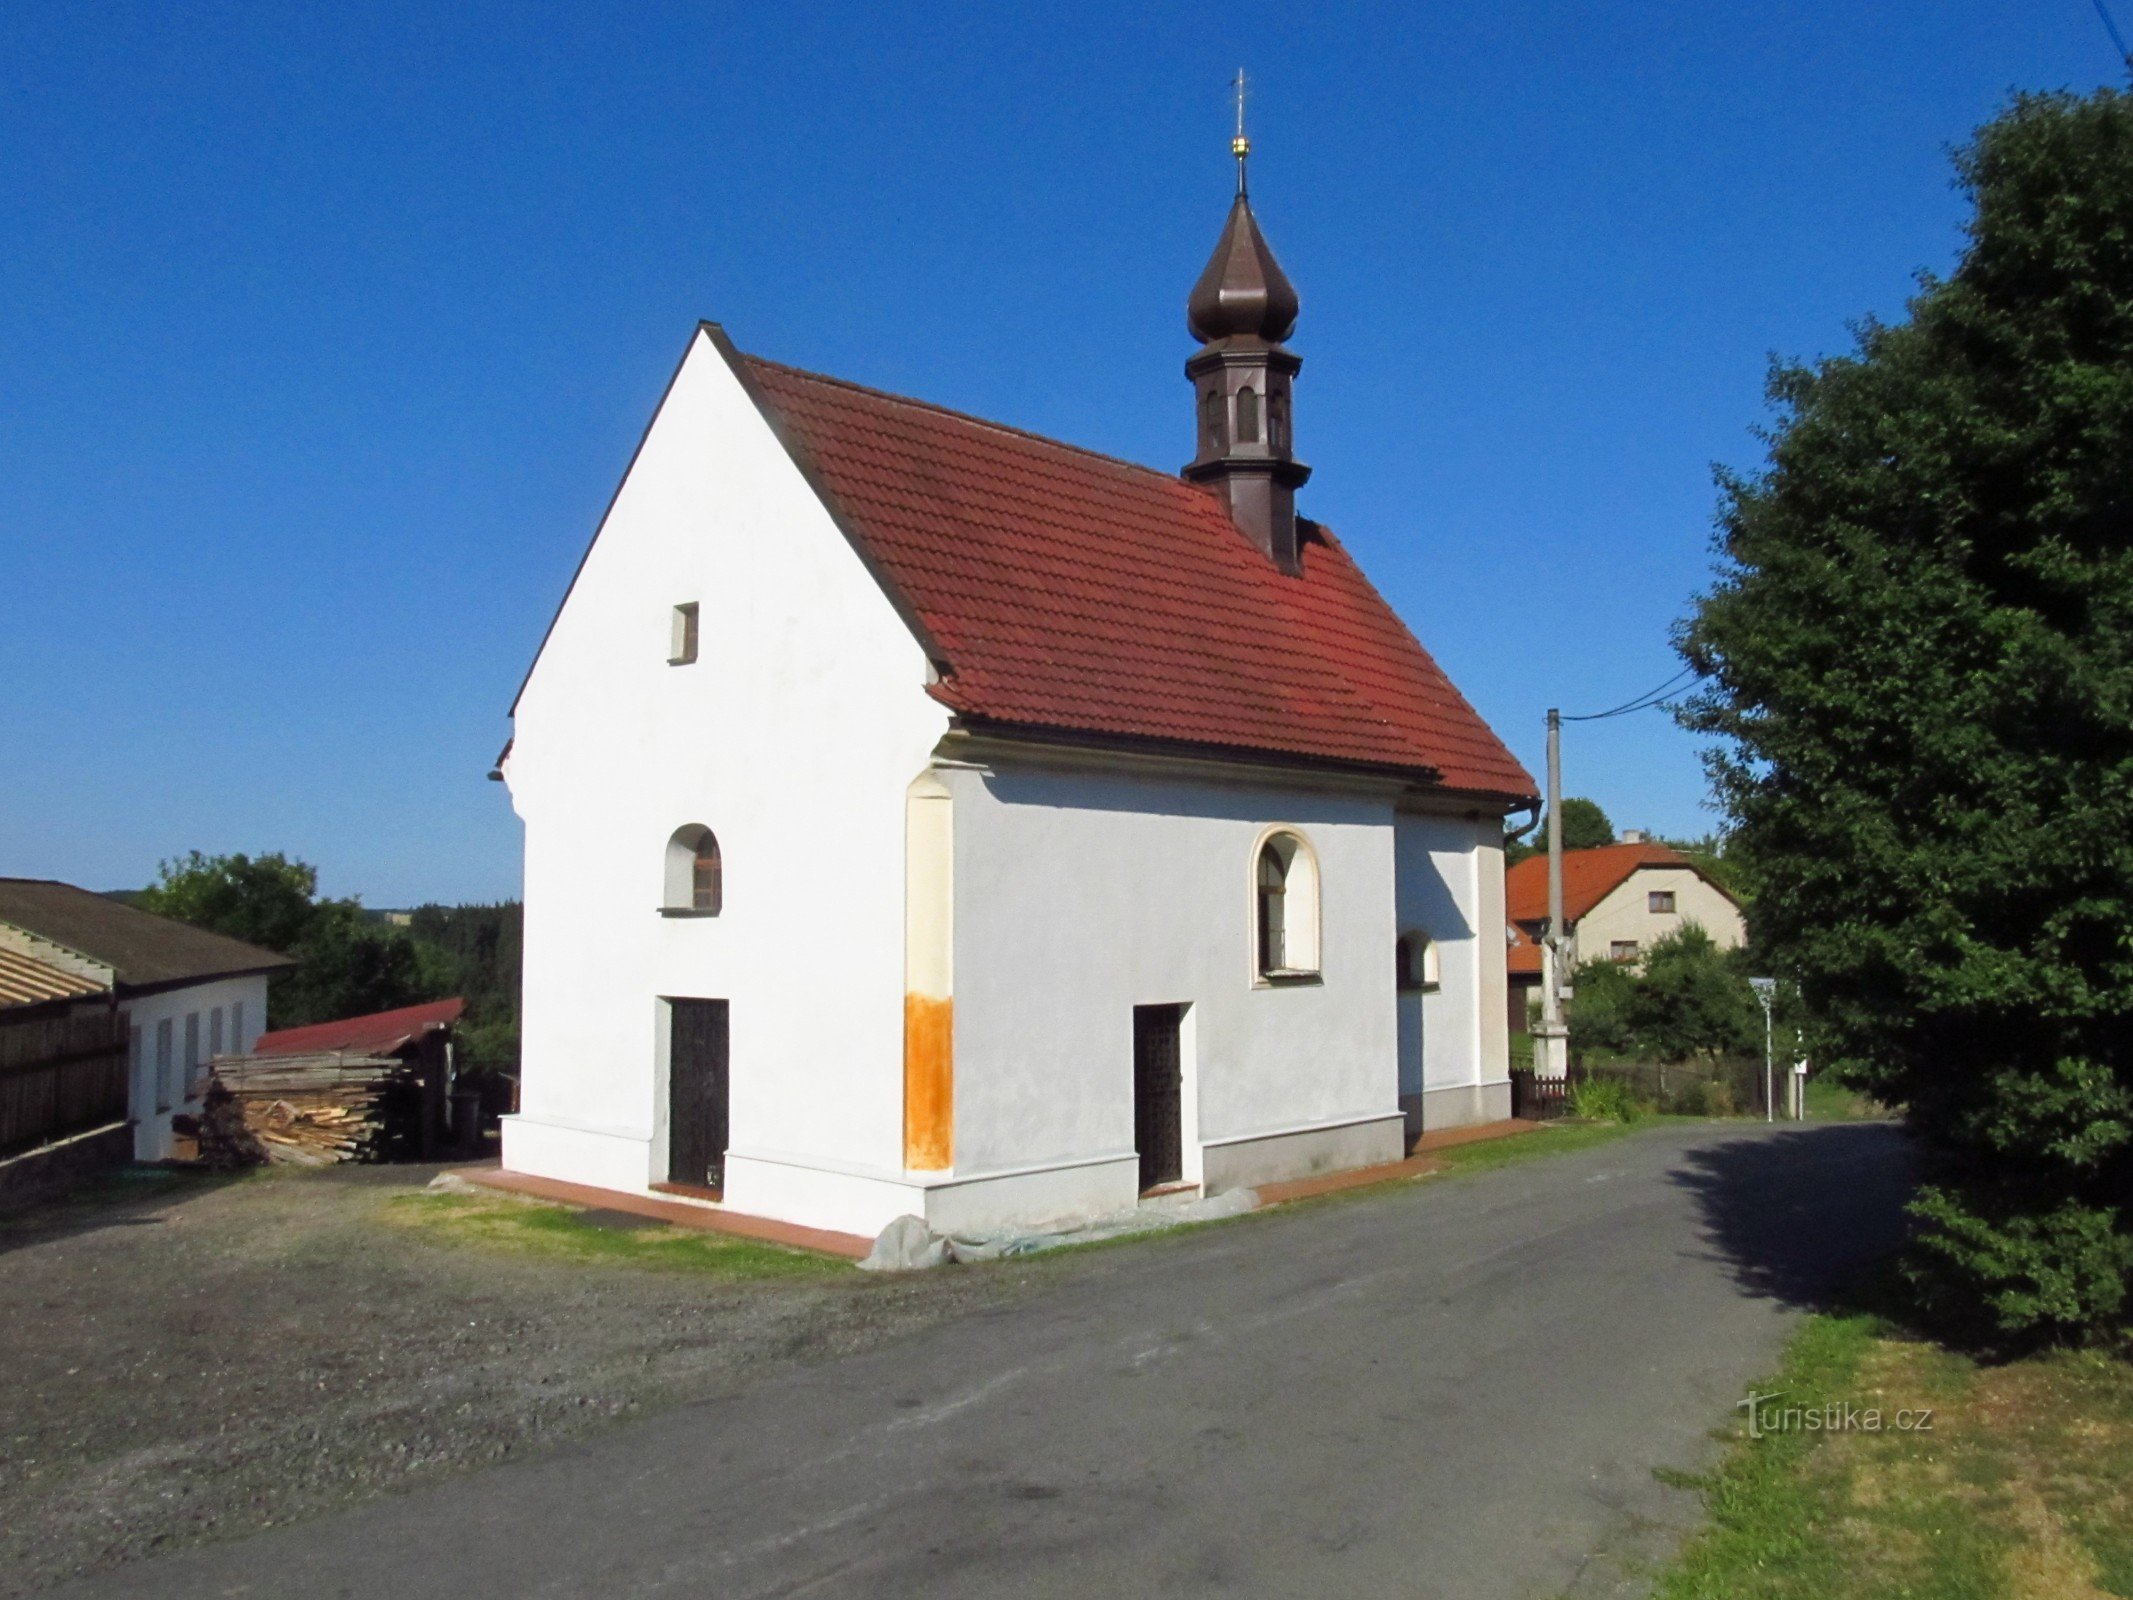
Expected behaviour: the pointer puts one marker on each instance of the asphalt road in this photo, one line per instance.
(1456, 1389)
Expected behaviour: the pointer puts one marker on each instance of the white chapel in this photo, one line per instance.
(926, 817)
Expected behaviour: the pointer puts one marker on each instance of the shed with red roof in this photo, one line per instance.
(381, 1033)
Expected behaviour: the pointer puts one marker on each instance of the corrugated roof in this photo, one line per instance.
(26, 981)
(380, 1033)
(1070, 591)
(146, 951)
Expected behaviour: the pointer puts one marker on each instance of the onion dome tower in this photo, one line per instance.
(1240, 311)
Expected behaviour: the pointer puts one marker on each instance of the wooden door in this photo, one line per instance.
(1159, 1093)
(696, 1093)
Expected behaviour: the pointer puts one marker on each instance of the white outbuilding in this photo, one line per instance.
(186, 994)
(927, 817)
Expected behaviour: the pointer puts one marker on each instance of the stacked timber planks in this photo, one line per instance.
(307, 1111)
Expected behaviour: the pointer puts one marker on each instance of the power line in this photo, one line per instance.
(1645, 701)
(2118, 39)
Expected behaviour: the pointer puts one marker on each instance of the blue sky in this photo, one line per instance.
(324, 338)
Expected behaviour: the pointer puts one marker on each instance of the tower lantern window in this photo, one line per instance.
(1215, 417)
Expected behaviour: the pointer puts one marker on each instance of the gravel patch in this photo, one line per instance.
(191, 1358)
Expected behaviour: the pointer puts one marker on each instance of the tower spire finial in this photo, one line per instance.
(1241, 310)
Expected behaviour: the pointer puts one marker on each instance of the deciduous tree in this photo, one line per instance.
(1920, 649)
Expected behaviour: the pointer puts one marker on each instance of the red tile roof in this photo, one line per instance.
(379, 1034)
(1589, 876)
(1524, 955)
(1066, 591)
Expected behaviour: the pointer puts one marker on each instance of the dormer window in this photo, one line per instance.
(681, 638)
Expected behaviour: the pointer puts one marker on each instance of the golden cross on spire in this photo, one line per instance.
(1240, 146)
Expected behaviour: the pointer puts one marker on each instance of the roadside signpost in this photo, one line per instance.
(1766, 991)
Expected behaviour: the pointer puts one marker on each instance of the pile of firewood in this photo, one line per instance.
(306, 1111)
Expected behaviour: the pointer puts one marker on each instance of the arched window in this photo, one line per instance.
(1277, 418)
(694, 879)
(1248, 416)
(1214, 420)
(1285, 898)
(1416, 953)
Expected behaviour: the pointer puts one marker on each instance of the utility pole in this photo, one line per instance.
(1551, 1052)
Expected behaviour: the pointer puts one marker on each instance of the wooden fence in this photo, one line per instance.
(1538, 1099)
(60, 1076)
(1730, 1086)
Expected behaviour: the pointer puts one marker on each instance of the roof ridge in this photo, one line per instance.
(970, 416)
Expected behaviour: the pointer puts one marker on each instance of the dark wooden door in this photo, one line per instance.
(696, 1093)
(1159, 1093)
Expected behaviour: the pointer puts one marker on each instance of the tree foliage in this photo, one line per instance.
(264, 900)
(349, 962)
(1686, 1000)
(480, 945)
(1920, 645)
(1585, 827)
(346, 964)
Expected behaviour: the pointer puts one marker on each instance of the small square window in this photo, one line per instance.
(1622, 950)
(1660, 902)
(681, 647)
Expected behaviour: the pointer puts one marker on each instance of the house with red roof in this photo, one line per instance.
(1618, 900)
(926, 817)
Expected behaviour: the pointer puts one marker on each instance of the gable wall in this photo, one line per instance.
(1622, 914)
(792, 737)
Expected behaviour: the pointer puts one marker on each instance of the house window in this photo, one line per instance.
(214, 1033)
(237, 1044)
(1247, 416)
(694, 878)
(681, 647)
(1622, 950)
(1416, 953)
(1660, 902)
(1285, 895)
(164, 1064)
(192, 1052)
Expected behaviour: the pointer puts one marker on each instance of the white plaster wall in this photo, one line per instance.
(793, 737)
(151, 1128)
(1624, 913)
(1081, 895)
(1450, 886)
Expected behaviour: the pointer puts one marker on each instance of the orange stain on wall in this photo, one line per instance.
(929, 1083)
